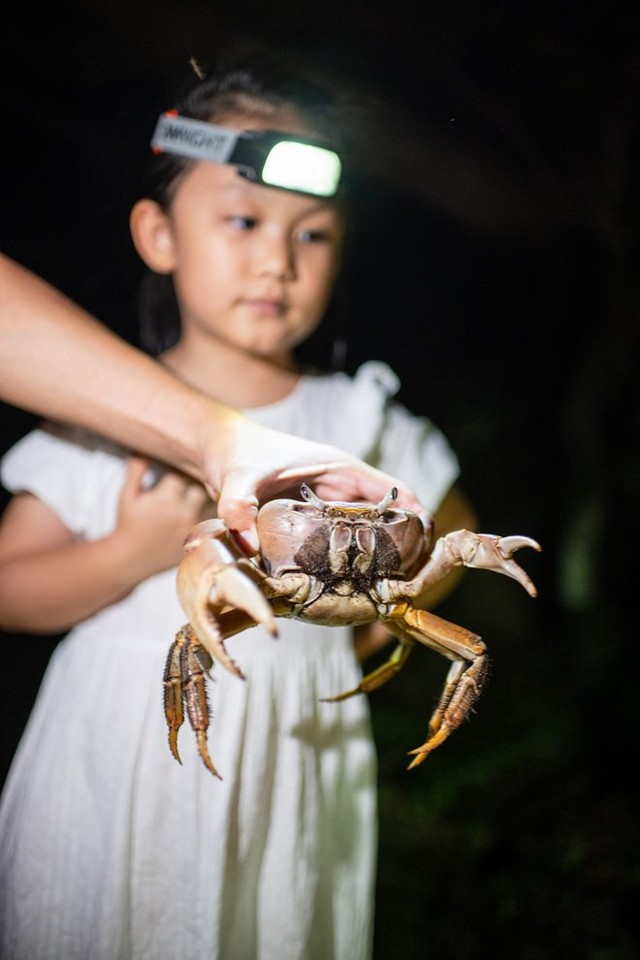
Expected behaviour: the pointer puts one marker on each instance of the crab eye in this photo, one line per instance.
(394, 516)
(308, 495)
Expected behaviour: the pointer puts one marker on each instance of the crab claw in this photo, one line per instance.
(210, 579)
(485, 551)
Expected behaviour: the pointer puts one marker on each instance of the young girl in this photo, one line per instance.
(108, 847)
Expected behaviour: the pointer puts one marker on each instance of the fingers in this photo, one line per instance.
(407, 500)
(359, 482)
(149, 488)
(348, 480)
(136, 469)
(238, 507)
(169, 484)
(195, 495)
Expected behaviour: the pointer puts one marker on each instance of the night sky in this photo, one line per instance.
(494, 265)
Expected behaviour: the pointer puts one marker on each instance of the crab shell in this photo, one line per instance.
(285, 525)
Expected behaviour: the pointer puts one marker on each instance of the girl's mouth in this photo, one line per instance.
(267, 308)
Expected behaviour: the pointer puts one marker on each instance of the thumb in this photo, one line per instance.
(136, 469)
(238, 507)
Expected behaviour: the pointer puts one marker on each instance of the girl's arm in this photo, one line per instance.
(50, 580)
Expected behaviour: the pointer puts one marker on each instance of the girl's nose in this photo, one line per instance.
(277, 258)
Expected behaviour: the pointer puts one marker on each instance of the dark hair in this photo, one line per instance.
(254, 87)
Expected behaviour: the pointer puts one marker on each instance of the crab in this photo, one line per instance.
(330, 563)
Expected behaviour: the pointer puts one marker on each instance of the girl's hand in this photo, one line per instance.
(154, 521)
(51, 579)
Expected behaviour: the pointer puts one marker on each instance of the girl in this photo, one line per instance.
(109, 848)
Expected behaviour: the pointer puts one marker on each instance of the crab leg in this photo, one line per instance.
(462, 689)
(184, 677)
(184, 681)
(465, 678)
(173, 701)
(382, 674)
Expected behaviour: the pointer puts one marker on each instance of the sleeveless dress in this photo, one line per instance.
(109, 849)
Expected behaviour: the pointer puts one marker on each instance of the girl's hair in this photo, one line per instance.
(252, 87)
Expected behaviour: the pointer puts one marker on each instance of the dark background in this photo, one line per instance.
(495, 267)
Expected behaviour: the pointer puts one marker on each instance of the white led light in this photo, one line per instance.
(304, 167)
(290, 164)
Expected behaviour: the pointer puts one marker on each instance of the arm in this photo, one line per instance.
(454, 513)
(50, 580)
(57, 360)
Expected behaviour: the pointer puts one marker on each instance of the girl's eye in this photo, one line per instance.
(315, 236)
(243, 223)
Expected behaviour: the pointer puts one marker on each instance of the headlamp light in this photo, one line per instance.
(264, 156)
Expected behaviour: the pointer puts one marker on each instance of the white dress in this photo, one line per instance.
(109, 849)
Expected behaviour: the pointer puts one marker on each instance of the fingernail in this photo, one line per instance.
(248, 540)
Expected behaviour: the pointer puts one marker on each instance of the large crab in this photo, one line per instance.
(330, 563)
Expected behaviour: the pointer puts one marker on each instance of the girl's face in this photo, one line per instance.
(253, 266)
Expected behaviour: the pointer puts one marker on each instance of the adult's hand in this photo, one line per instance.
(256, 464)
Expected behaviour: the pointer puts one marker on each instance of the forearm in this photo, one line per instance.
(52, 591)
(56, 360)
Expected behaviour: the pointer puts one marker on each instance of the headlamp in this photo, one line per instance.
(264, 156)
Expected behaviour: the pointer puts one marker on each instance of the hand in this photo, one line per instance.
(154, 521)
(257, 464)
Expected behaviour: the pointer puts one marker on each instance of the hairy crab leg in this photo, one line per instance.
(184, 680)
(465, 679)
(462, 688)
(173, 699)
(187, 664)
